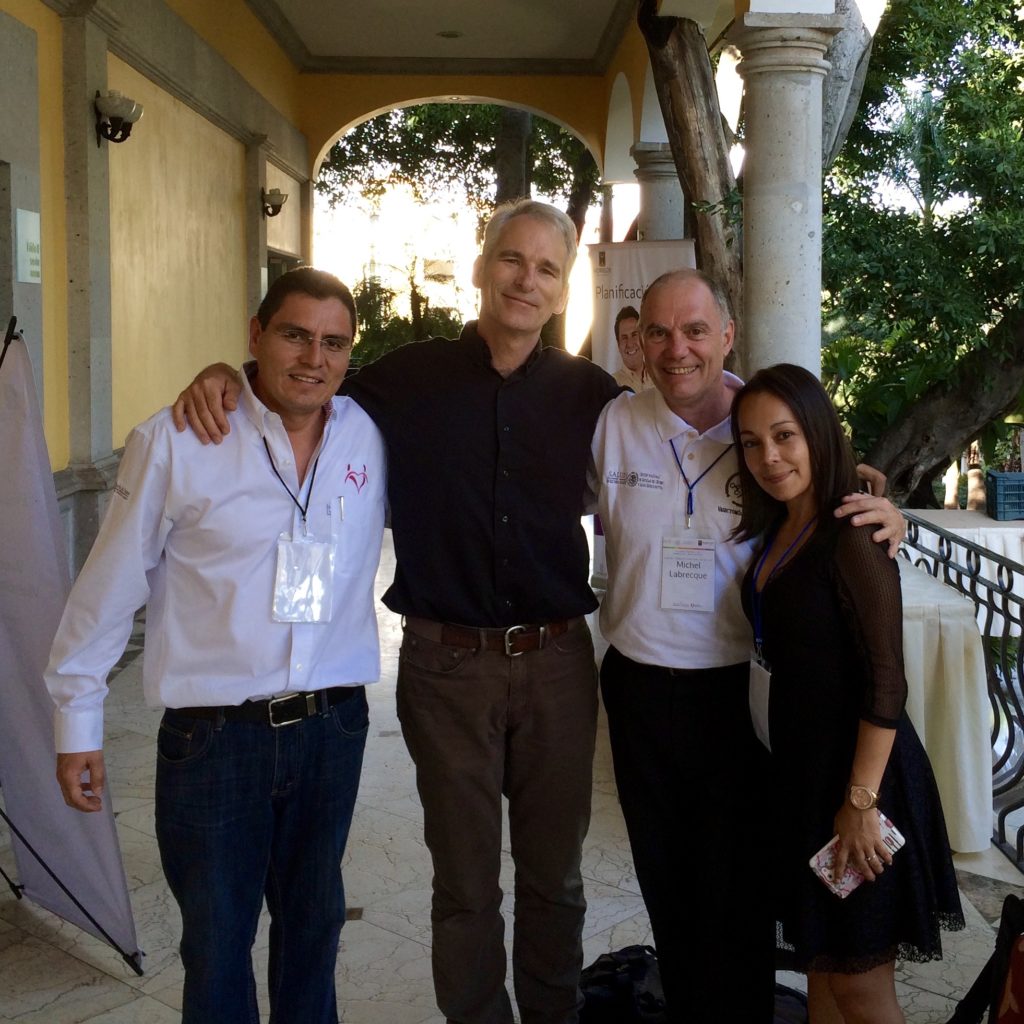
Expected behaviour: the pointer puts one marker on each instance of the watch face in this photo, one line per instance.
(862, 798)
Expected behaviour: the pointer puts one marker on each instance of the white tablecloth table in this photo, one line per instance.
(948, 703)
(1001, 538)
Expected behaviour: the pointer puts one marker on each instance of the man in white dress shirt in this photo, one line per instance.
(256, 561)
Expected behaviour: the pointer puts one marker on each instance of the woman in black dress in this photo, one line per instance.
(826, 607)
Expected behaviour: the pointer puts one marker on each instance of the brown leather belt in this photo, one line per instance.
(510, 640)
(277, 711)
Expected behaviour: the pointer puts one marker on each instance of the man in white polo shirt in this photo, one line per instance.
(256, 561)
(688, 767)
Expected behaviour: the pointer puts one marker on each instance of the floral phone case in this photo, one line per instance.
(824, 860)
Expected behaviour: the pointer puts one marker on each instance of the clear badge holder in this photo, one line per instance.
(304, 581)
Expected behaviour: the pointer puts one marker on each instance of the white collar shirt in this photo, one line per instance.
(192, 532)
(642, 500)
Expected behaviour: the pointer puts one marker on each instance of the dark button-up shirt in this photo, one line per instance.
(486, 479)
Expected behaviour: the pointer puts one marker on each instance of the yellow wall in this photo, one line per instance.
(335, 103)
(241, 39)
(177, 243)
(53, 228)
(631, 58)
(322, 106)
(177, 212)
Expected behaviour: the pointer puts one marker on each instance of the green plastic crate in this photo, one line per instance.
(1004, 495)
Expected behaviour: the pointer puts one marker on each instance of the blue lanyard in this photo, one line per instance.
(690, 488)
(757, 597)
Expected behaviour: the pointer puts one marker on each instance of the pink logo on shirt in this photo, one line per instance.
(358, 477)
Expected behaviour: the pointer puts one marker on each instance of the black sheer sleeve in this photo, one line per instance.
(868, 584)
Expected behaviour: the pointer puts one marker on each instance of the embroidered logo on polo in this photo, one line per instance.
(734, 491)
(734, 495)
(357, 476)
(634, 478)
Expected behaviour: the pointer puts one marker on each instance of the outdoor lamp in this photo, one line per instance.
(115, 115)
(273, 201)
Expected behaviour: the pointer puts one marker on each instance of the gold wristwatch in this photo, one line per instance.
(862, 797)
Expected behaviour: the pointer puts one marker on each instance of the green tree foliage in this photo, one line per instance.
(432, 146)
(382, 328)
(923, 259)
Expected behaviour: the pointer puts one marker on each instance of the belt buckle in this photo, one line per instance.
(510, 639)
(310, 708)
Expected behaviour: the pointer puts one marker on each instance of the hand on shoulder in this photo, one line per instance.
(205, 403)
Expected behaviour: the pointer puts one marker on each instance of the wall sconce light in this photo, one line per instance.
(273, 201)
(115, 115)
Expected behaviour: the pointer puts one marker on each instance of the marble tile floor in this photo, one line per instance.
(51, 973)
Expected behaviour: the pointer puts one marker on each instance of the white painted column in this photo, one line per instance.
(661, 195)
(783, 68)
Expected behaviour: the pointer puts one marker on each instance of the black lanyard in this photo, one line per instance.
(309, 494)
(690, 488)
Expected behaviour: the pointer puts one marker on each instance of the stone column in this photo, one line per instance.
(661, 195)
(255, 222)
(93, 463)
(783, 68)
(308, 193)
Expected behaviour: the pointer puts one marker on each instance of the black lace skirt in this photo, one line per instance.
(899, 916)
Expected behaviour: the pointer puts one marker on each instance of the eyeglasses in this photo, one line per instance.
(333, 344)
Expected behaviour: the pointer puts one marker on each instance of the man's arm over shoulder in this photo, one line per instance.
(873, 509)
(205, 403)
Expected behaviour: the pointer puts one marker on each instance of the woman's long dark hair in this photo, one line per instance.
(833, 468)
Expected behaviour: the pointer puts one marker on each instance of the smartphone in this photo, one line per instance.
(824, 860)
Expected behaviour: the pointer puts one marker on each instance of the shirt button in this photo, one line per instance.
(298, 666)
(506, 429)
(504, 561)
(508, 603)
(690, 456)
(504, 473)
(504, 519)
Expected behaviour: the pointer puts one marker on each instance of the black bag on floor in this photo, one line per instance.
(999, 988)
(623, 987)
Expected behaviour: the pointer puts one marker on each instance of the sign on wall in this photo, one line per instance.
(28, 247)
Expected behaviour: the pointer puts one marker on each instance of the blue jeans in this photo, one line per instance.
(243, 812)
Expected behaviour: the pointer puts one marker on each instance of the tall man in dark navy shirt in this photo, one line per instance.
(488, 442)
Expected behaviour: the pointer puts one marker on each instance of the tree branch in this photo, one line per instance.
(686, 88)
(943, 421)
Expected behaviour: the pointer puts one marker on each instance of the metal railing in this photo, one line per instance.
(996, 586)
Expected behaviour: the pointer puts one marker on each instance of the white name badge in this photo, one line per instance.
(688, 573)
(760, 689)
(304, 582)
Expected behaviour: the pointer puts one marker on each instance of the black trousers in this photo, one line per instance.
(691, 778)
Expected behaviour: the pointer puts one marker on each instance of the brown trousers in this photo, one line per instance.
(481, 725)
